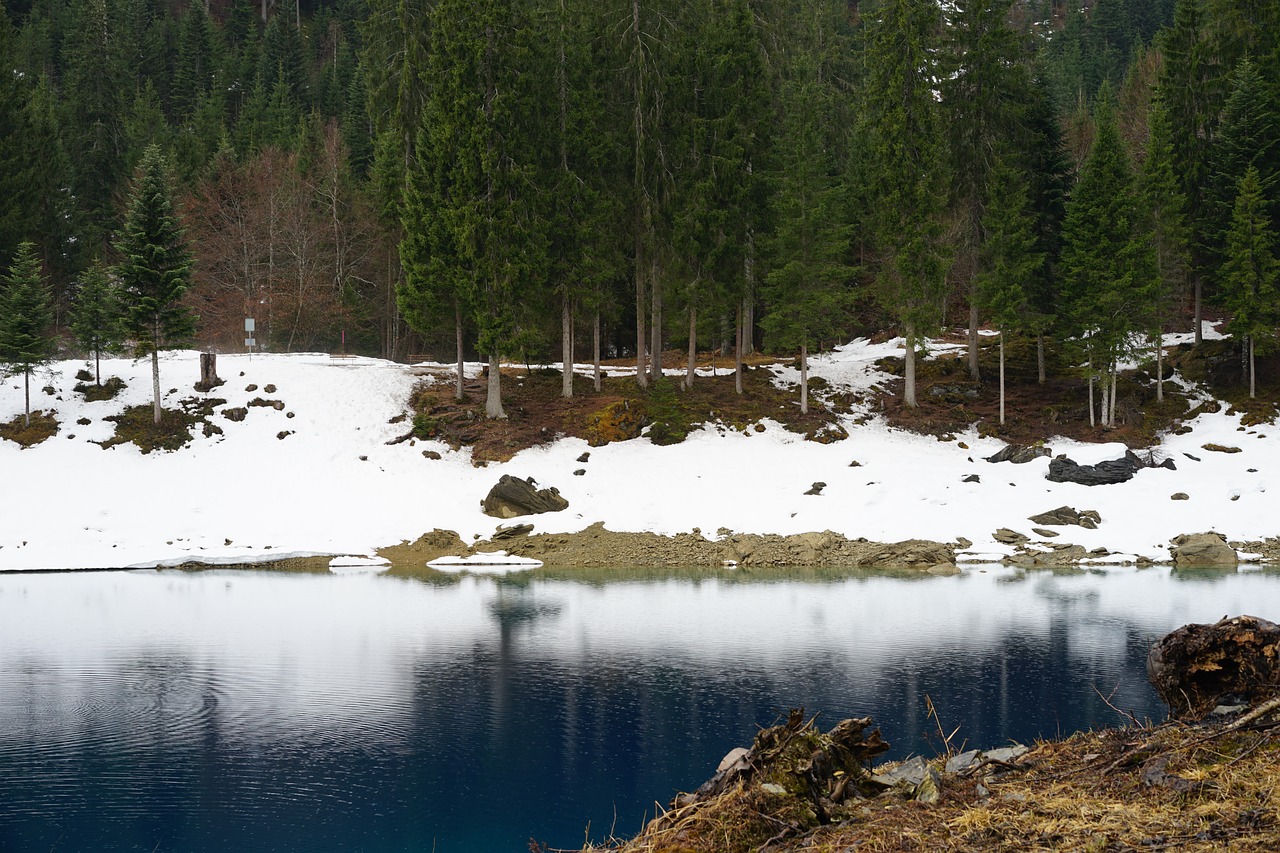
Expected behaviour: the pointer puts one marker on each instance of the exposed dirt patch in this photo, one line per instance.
(537, 414)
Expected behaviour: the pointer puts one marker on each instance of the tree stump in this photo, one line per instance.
(1198, 667)
(208, 372)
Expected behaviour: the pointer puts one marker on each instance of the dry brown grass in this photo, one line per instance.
(1170, 787)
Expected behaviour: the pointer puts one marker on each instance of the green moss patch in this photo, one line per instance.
(106, 391)
(43, 425)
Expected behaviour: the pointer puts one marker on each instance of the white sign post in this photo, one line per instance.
(249, 340)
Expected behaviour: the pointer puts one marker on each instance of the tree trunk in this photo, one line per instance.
(566, 348)
(642, 363)
(737, 348)
(458, 393)
(595, 349)
(493, 400)
(804, 379)
(26, 375)
(1253, 386)
(1002, 377)
(97, 367)
(1159, 369)
(155, 377)
(1111, 415)
(1197, 310)
(909, 368)
(974, 373)
(1092, 423)
(693, 348)
(655, 325)
(1040, 377)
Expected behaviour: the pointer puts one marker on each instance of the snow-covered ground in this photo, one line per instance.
(334, 486)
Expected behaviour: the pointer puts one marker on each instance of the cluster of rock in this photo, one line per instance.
(1062, 469)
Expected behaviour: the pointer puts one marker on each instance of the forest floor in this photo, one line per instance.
(948, 400)
(1175, 786)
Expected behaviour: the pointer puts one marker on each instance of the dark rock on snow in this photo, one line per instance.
(1019, 455)
(817, 488)
(512, 497)
(1064, 515)
(1064, 470)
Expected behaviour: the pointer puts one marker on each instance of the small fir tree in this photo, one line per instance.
(1249, 274)
(25, 318)
(95, 315)
(1009, 258)
(156, 268)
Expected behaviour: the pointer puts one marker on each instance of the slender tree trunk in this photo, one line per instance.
(974, 373)
(460, 378)
(638, 138)
(642, 363)
(97, 367)
(566, 348)
(1197, 309)
(1253, 386)
(595, 349)
(737, 348)
(155, 377)
(1159, 369)
(693, 348)
(1092, 423)
(909, 368)
(26, 375)
(804, 379)
(1115, 372)
(655, 325)
(1040, 377)
(493, 399)
(1002, 377)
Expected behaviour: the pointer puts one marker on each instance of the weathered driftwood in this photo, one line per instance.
(1199, 667)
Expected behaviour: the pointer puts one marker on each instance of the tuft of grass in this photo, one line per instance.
(136, 425)
(44, 425)
(106, 391)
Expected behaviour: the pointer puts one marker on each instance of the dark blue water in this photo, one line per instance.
(267, 711)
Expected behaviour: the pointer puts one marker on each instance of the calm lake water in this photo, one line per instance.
(264, 711)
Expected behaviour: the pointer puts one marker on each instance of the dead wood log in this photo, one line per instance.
(1199, 666)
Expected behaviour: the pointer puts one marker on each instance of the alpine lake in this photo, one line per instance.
(412, 710)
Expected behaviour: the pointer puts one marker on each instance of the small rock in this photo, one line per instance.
(1220, 448)
(961, 542)
(364, 458)
(250, 388)
(773, 788)
(855, 464)
(431, 454)
(1179, 496)
(972, 478)
(944, 570)
(1006, 536)
(1192, 458)
(817, 488)
(963, 761)
(735, 755)
(1251, 470)
(585, 456)
(269, 389)
(579, 472)
(1019, 455)
(1007, 754)
(285, 433)
(1044, 531)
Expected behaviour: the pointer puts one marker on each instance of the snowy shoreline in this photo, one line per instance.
(316, 476)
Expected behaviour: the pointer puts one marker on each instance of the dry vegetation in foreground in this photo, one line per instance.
(1168, 787)
(43, 425)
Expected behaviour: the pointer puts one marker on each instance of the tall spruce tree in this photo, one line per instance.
(26, 318)
(155, 268)
(1009, 260)
(1108, 265)
(1250, 277)
(983, 92)
(1163, 209)
(1248, 136)
(906, 177)
(96, 315)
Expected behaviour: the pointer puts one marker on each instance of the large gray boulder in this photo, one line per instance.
(512, 497)
(1203, 549)
(1018, 455)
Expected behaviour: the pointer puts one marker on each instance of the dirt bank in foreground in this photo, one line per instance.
(1169, 787)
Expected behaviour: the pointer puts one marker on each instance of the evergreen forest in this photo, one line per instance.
(547, 180)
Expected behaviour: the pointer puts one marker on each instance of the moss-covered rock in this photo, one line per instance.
(616, 422)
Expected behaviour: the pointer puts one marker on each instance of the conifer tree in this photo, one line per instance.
(806, 289)
(1249, 135)
(905, 173)
(1164, 223)
(1251, 275)
(96, 315)
(1009, 260)
(25, 318)
(155, 268)
(1108, 265)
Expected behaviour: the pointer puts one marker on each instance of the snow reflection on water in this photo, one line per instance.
(398, 712)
